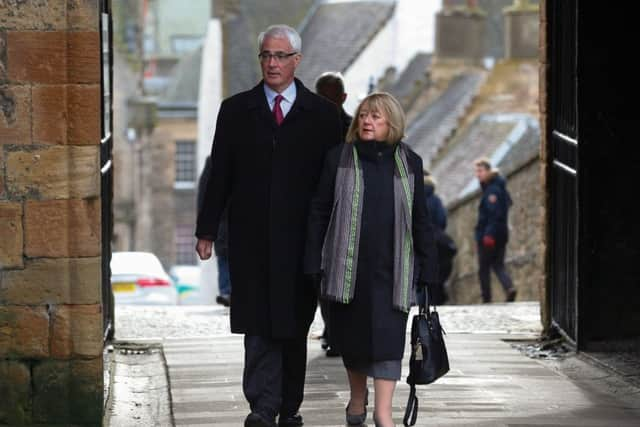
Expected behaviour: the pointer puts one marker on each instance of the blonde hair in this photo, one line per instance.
(430, 181)
(385, 104)
(484, 162)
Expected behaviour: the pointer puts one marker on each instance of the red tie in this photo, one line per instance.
(277, 111)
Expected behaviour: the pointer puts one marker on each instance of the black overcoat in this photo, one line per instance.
(369, 329)
(268, 174)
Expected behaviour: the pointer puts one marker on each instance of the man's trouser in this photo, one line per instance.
(488, 259)
(274, 374)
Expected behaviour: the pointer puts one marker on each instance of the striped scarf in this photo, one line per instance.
(341, 243)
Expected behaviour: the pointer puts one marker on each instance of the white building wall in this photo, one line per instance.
(208, 107)
(409, 31)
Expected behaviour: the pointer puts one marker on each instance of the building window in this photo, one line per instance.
(185, 164)
(185, 245)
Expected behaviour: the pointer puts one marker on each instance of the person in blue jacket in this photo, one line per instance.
(446, 246)
(492, 231)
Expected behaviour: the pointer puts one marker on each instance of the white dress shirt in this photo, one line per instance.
(288, 95)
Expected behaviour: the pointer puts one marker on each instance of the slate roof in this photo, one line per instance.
(241, 70)
(241, 29)
(428, 133)
(335, 35)
(412, 78)
(509, 140)
(184, 82)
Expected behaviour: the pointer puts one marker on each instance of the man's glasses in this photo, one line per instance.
(278, 56)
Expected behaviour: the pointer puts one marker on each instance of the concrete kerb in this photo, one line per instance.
(138, 385)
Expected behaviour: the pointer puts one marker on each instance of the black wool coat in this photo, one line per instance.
(267, 174)
(369, 329)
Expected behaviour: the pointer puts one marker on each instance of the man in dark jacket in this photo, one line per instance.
(267, 155)
(446, 247)
(492, 231)
(331, 86)
(220, 245)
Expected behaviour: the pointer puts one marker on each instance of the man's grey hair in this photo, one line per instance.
(282, 31)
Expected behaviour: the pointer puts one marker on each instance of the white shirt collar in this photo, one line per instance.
(289, 94)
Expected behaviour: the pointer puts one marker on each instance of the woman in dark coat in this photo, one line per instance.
(369, 241)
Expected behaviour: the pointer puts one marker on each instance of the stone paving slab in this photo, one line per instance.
(490, 384)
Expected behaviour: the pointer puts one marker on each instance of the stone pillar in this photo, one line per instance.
(545, 302)
(50, 249)
(521, 28)
(460, 33)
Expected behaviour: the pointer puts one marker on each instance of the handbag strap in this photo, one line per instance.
(425, 308)
(411, 413)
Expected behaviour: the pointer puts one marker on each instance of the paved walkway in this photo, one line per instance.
(491, 382)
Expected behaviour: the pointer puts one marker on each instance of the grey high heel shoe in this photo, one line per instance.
(358, 419)
(375, 421)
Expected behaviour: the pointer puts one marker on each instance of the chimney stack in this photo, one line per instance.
(460, 33)
(521, 26)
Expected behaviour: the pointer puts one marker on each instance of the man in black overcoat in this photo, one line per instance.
(331, 85)
(267, 154)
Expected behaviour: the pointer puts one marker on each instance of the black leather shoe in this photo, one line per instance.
(511, 295)
(324, 344)
(332, 352)
(255, 419)
(224, 300)
(290, 421)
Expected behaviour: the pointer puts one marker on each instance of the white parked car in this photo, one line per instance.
(139, 278)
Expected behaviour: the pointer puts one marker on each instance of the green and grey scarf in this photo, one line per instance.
(340, 249)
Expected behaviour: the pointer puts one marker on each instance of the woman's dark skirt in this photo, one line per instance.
(384, 369)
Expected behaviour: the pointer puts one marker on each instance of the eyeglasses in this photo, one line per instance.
(278, 56)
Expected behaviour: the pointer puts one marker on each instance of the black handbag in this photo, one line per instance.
(429, 360)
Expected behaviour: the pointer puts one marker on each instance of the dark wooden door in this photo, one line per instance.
(563, 174)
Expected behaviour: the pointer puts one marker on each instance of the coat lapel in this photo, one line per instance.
(258, 104)
(302, 102)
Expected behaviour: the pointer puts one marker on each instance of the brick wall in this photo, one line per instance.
(524, 250)
(50, 296)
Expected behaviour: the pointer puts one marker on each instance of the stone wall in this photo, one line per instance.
(524, 251)
(50, 242)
